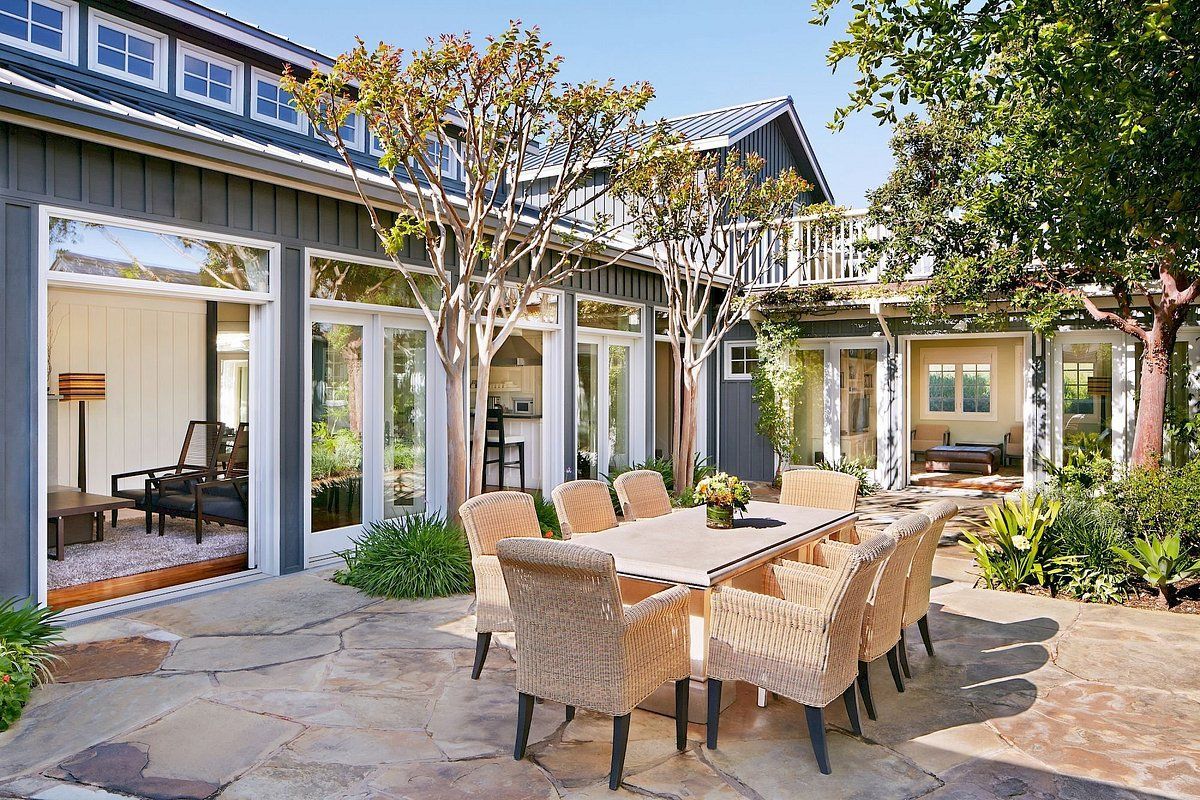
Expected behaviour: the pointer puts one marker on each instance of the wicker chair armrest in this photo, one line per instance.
(667, 603)
(760, 623)
(807, 584)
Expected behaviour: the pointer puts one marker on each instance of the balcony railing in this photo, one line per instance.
(820, 255)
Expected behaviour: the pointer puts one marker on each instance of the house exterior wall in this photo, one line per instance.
(40, 168)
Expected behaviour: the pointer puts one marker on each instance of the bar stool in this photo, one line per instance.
(500, 443)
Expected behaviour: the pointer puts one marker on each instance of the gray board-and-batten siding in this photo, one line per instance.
(41, 168)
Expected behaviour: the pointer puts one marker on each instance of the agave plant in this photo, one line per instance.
(1161, 562)
(1009, 551)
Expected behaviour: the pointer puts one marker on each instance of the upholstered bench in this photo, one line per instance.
(981, 458)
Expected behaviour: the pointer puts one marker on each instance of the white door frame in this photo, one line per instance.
(263, 517)
(1028, 411)
(320, 546)
(1123, 366)
(604, 339)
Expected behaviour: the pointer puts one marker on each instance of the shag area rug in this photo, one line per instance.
(127, 550)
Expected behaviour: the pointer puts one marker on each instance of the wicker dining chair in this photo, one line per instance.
(583, 507)
(579, 646)
(920, 577)
(800, 639)
(819, 488)
(642, 494)
(885, 605)
(487, 519)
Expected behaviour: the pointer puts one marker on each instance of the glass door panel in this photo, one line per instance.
(337, 425)
(587, 436)
(404, 462)
(859, 404)
(1086, 382)
(619, 439)
(808, 409)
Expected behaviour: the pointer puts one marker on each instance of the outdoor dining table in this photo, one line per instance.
(679, 549)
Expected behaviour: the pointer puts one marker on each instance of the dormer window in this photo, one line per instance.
(209, 78)
(445, 154)
(45, 27)
(351, 132)
(127, 51)
(271, 104)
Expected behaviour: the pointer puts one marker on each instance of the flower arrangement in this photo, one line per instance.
(722, 493)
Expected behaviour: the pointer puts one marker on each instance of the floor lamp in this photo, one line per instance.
(81, 387)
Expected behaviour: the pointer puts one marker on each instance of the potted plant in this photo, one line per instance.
(722, 493)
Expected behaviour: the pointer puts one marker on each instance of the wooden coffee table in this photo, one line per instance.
(77, 510)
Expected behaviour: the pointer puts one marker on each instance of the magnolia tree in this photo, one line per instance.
(714, 227)
(1054, 166)
(501, 106)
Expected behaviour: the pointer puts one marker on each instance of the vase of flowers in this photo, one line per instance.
(722, 493)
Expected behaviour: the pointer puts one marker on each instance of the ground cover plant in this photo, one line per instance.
(418, 556)
(27, 632)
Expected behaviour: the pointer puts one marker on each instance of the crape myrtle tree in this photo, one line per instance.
(713, 226)
(501, 104)
(1051, 165)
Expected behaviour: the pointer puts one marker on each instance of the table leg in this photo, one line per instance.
(99, 526)
(60, 540)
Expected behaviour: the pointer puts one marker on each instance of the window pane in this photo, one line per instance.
(266, 107)
(19, 8)
(287, 115)
(1087, 398)
(194, 85)
(618, 407)
(366, 283)
(587, 400)
(143, 69)
(266, 90)
(111, 38)
(337, 426)
(142, 48)
(662, 321)
(18, 29)
(220, 74)
(45, 37)
(808, 409)
(47, 16)
(111, 58)
(194, 66)
(219, 93)
(977, 388)
(941, 387)
(86, 248)
(860, 441)
(609, 316)
(404, 422)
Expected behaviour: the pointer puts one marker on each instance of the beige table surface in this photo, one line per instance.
(680, 548)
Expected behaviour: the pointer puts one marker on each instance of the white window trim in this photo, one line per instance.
(257, 75)
(371, 148)
(958, 356)
(728, 369)
(188, 49)
(69, 52)
(161, 50)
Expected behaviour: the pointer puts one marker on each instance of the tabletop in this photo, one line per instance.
(680, 548)
(71, 503)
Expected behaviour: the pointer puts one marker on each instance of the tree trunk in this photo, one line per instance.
(1152, 395)
(684, 457)
(456, 442)
(479, 428)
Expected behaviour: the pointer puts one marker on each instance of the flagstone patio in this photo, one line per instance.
(299, 688)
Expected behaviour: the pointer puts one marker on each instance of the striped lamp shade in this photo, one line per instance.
(80, 386)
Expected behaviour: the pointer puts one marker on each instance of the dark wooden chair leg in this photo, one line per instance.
(149, 519)
(524, 720)
(923, 625)
(682, 694)
(893, 658)
(815, 717)
(162, 524)
(904, 655)
(714, 712)
(482, 642)
(521, 463)
(864, 687)
(851, 700)
(570, 713)
(620, 743)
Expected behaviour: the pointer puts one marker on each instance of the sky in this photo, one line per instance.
(698, 55)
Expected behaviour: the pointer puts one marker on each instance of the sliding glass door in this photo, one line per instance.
(610, 422)
(369, 417)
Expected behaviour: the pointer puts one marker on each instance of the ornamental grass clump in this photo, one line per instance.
(27, 632)
(418, 556)
(1010, 550)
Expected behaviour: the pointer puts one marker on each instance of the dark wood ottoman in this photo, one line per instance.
(984, 459)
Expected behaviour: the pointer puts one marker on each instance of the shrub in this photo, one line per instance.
(1085, 531)
(866, 487)
(417, 556)
(27, 632)
(547, 517)
(1009, 552)
(1154, 503)
(1162, 562)
(1084, 469)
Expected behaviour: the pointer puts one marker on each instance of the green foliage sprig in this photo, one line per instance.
(777, 381)
(27, 632)
(417, 556)
(1009, 551)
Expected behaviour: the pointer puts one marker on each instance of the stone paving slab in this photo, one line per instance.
(234, 653)
(112, 658)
